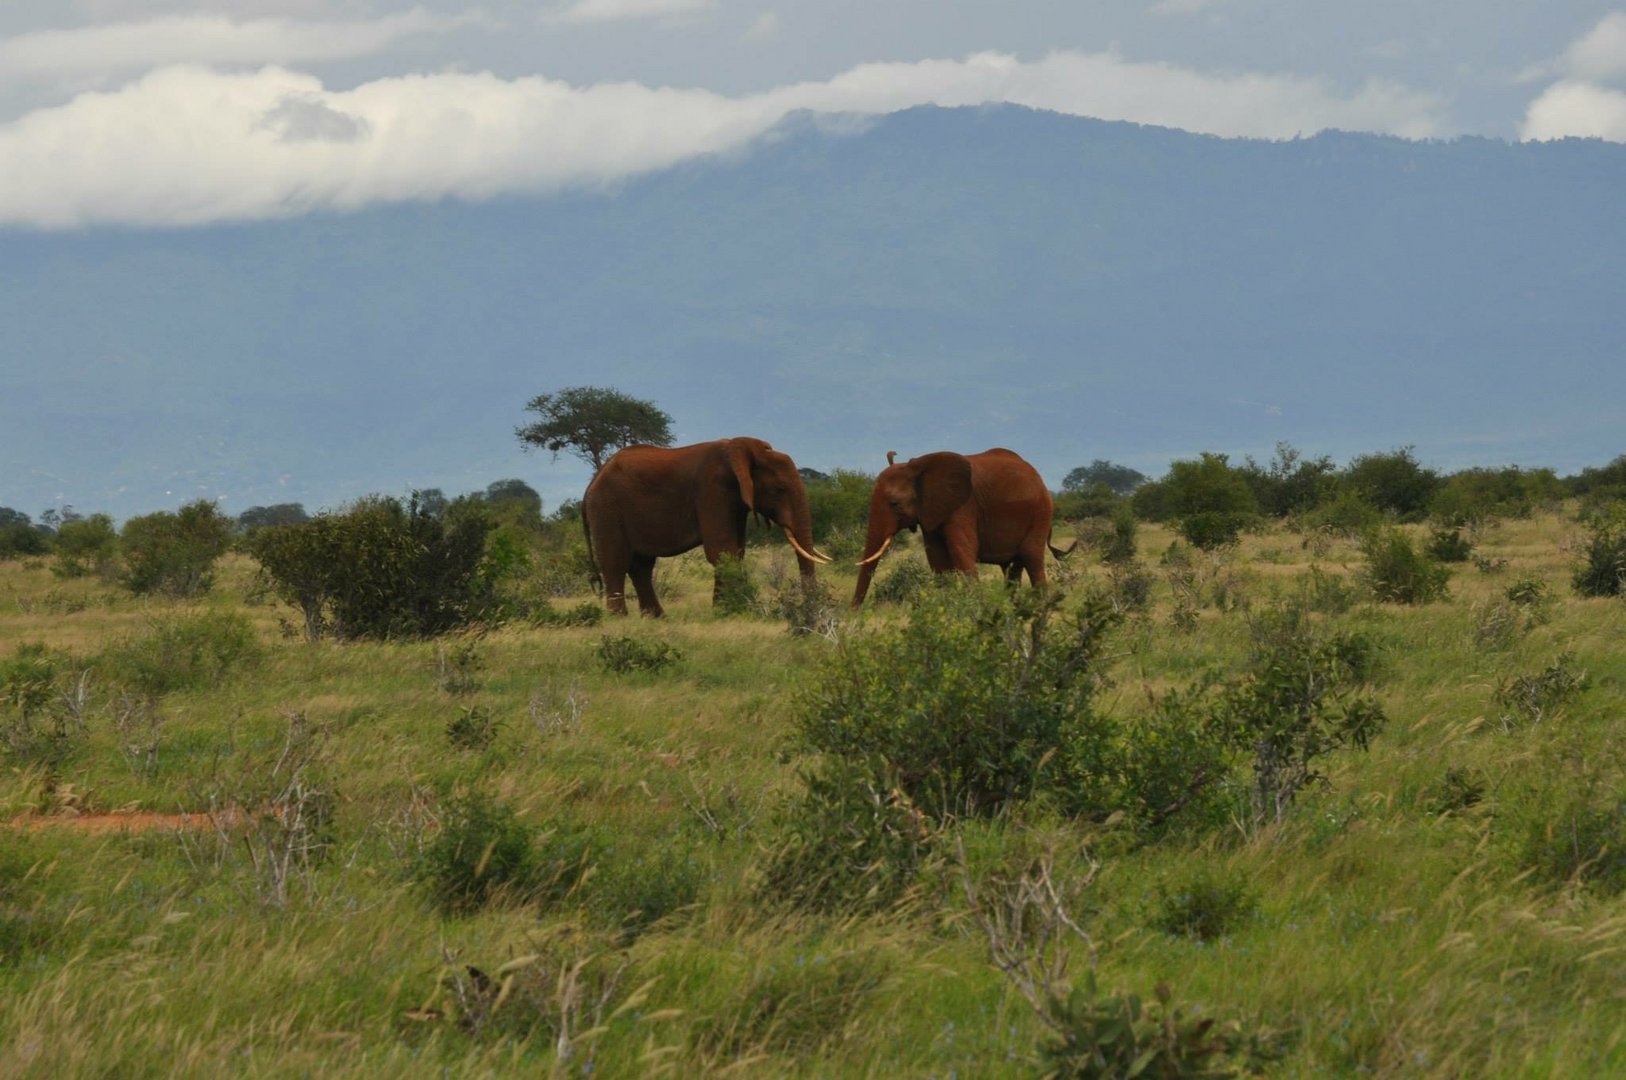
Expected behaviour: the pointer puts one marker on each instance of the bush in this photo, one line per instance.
(1394, 482)
(903, 583)
(380, 569)
(1604, 571)
(853, 843)
(1096, 500)
(473, 728)
(29, 693)
(623, 654)
(182, 653)
(983, 698)
(1212, 529)
(839, 503)
(1347, 514)
(1211, 500)
(1475, 496)
(174, 553)
(1448, 545)
(586, 613)
(1529, 699)
(483, 854)
(1584, 843)
(1298, 702)
(1291, 483)
(1397, 572)
(638, 889)
(1205, 906)
(85, 546)
(1119, 548)
(19, 537)
(1118, 1036)
(733, 592)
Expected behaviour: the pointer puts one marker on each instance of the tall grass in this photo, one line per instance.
(1444, 904)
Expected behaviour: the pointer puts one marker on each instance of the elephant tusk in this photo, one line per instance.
(803, 552)
(878, 554)
(823, 556)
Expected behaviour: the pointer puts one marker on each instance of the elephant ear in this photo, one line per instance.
(739, 458)
(944, 482)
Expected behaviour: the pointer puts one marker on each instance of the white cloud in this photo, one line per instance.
(764, 26)
(586, 11)
(188, 145)
(1601, 54)
(1181, 7)
(46, 56)
(1576, 108)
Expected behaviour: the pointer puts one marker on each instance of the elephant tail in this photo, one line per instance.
(594, 578)
(1061, 553)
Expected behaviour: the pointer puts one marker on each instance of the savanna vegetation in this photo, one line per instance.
(1299, 770)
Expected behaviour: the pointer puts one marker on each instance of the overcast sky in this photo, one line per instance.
(152, 112)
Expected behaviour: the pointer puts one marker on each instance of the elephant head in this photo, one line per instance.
(771, 488)
(923, 492)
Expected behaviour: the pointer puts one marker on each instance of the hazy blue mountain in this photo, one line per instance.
(1073, 289)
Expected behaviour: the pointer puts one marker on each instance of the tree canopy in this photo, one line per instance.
(1119, 479)
(593, 422)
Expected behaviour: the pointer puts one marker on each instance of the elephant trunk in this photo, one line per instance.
(883, 526)
(800, 532)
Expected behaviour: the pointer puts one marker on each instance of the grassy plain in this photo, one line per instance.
(1398, 925)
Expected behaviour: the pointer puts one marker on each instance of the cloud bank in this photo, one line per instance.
(53, 56)
(1581, 103)
(588, 11)
(189, 145)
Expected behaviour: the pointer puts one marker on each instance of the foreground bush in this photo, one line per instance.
(1397, 572)
(174, 553)
(381, 569)
(85, 546)
(981, 699)
(181, 653)
(1603, 569)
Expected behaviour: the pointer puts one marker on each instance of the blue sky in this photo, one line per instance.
(134, 112)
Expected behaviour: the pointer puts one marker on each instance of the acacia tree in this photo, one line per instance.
(593, 422)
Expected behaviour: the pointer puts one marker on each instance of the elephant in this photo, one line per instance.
(991, 507)
(650, 502)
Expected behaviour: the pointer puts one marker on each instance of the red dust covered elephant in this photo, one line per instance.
(651, 502)
(991, 507)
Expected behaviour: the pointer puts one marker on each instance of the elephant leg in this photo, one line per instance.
(961, 543)
(615, 584)
(937, 555)
(643, 580)
(1013, 571)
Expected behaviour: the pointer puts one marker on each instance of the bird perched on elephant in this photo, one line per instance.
(991, 507)
(651, 502)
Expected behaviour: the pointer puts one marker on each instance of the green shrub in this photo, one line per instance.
(29, 696)
(623, 654)
(174, 553)
(1102, 1038)
(586, 613)
(1205, 906)
(1475, 496)
(483, 854)
(1448, 545)
(85, 546)
(1093, 500)
(1129, 586)
(1298, 702)
(473, 728)
(903, 583)
(1529, 699)
(380, 569)
(1120, 544)
(1291, 483)
(1459, 789)
(851, 843)
(19, 537)
(733, 592)
(1212, 529)
(839, 503)
(1585, 842)
(1393, 481)
(806, 607)
(1347, 514)
(981, 699)
(182, 653)
(637, 889)
(1397, 572)
(1603, 573)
